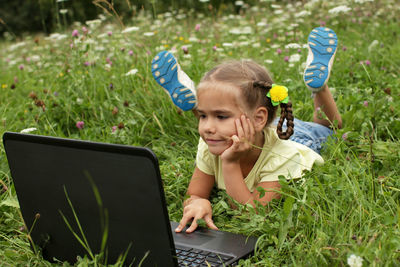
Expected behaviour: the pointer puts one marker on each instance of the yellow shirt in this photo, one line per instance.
(278, 157)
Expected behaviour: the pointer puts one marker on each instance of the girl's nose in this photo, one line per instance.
(209, 126)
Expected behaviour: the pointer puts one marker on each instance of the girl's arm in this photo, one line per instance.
(232, 172)
(237, 189)
(197, 206)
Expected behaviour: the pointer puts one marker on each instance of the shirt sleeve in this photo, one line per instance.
(204, 161)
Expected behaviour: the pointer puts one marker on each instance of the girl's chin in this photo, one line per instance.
(216, 151)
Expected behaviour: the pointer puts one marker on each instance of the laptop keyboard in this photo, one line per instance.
(196, 258)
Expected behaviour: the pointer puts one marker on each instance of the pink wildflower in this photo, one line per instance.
(365, 103)
(286, 58)
(85, 30)
(344, 48)
(215, 48)
(185, 49)
(197, 27)
(344, 136)
(80, 125)
(21, 67)
(75, 33)
(114, 128)
(279, 51)
(367, 62)
(130, 52)
(109, 33)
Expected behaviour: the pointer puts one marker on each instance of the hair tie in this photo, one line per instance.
(278, 94)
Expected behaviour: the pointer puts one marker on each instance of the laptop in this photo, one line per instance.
(80, 198)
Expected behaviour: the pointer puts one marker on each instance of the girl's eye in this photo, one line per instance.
(202, 116)
(221, 117)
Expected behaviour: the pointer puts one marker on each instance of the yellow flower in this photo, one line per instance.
(4, 86)
(278, 93)
(268, 40)
(166, 45)
(181, 38)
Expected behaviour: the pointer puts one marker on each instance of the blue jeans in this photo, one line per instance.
(310, 134)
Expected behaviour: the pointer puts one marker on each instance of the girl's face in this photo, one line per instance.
(217, 108)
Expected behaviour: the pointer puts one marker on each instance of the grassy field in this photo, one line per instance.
(93, 82)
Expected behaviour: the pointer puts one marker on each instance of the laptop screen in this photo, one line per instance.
(98, 191)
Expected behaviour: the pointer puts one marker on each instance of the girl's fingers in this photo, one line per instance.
(182, 223)
(193, 226)
(239, 128)
(245, 126)
(210, 222)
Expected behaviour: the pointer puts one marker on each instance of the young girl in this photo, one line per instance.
(240, 149)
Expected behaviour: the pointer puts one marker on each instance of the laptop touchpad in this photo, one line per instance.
(196, 238)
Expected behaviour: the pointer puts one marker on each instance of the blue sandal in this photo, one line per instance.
(167, 73)
(322, 44)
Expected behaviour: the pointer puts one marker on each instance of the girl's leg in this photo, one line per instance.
(322, 44)
(168, 73)
(324, 103)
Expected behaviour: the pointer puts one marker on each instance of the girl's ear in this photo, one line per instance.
(260, 118)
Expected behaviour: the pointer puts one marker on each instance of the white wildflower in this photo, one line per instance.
(63, 11)
(103, 35)
(227, 44)
(278, 12)
(79, 101)
(275, 6)
(294, 58)
(131, 72)
(130, 29)
(239, 3)
(244, 30)
(99, 48)
(35, 58)
(261, 24)
(354, 261)
(28, 130)
(256, 45)
(148, 33)
(373, 45)
(93, 23)
(339, 9)
(181, 16)
(293, 45)
(102, 17)
(204, 1)
(269, 61)
(16, 46)
(362, 1)
(187, 56)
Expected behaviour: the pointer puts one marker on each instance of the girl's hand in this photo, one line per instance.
(242, 142)
(197, 208)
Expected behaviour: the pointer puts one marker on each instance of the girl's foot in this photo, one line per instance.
(322, 44)
(167, 72)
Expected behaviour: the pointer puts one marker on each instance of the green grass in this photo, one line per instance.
(350, 205)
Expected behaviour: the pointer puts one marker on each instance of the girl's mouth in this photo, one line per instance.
(213, 141)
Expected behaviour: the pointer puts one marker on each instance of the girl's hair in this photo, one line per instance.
(254, 83)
